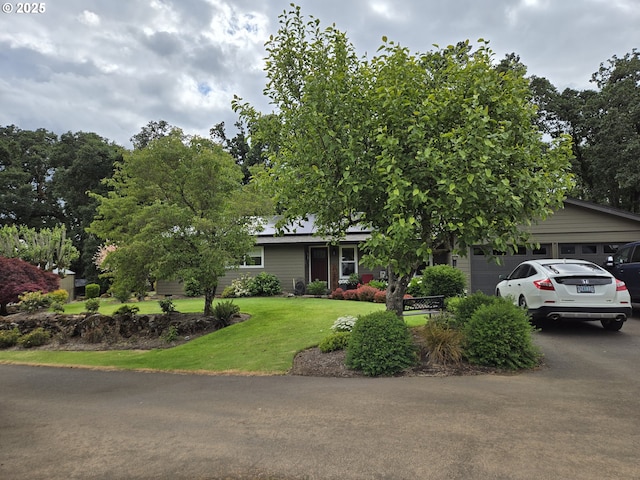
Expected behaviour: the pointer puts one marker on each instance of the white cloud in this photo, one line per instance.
(89, 18)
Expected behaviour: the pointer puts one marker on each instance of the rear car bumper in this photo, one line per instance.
(581, 313)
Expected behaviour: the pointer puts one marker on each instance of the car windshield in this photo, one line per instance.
(573, 268)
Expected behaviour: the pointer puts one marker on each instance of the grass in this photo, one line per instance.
(265, 344)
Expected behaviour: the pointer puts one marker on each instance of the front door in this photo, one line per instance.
(319, 269)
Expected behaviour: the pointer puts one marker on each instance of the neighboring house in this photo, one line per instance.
(580, 230)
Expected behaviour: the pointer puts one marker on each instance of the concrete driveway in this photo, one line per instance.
(576, 418)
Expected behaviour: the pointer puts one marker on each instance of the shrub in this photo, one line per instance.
(380, 297)
(32, 301)
(350, 295)
(8, 338)
(121, 293)
(317, 288)
(192, 288)
(35, 338)
(92, 305)
(58, 296)
(381, 344)
(265, 284)
(57, 307)
(170, 334)
(499, 335)
(337, 294)
(366, 293)
(92, 290)
(443, 344)
(334, 341)
(227, 292)
(353, 281)
(127, 310)
(415, 287)
(464, 308)
(224, 311)
(242, 286)
(344, 324)
(378, 284)
(443, 280)
(167, 305)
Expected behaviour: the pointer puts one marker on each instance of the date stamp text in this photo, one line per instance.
(24, 8)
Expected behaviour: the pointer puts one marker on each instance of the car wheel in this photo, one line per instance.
(498, 293)
(522, 302)
(612, 325)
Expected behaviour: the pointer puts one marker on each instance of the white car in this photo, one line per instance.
(567, 289)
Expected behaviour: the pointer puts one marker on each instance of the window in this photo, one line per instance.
(567, 249)
(348, 261)
(540, 251)
(589, 249)
(254, 259)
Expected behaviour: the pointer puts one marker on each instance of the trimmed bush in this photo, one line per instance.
(465, 307)
(192, 288)
(127, 310)
(381, 344)
(92, 290)
(242, 286)
(8, 338)
(59, 296)
(224, 311)
(366, 293)
(337, 294)
(32, 301)
(378, 284)
(380, 297)
(92, 305)
(335, 341)
(35, 338)
(317, 288)
(350, 295)
(499, 335)
(443, 280)
(266, 285)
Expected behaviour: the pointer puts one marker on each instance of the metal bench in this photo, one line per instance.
(423, 305)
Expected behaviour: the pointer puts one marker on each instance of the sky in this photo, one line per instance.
(111, 66)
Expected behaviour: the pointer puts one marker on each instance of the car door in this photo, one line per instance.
(627, 269)
(513, 285)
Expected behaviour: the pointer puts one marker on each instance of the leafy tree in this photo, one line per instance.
(26, 196)
(48, 248)
(82, 160)
(18, 277)
(176, 209)
(431, 149)
(151, 131)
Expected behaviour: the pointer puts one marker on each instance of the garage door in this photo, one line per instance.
(484, 273)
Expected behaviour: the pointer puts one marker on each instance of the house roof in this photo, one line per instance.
(303, 232)
(603, 209)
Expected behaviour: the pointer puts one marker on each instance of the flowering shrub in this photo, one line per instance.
(380, 297)
(344, 324)
(242, 286)
(350, 295)
(337, 294)
(366, 293)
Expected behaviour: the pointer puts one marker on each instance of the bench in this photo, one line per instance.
(423, 305)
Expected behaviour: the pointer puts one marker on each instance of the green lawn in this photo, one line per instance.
(264, 344)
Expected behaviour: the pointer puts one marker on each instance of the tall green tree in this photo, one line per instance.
(82, 161)
(427, 149)
(177, 209)
(26, 195)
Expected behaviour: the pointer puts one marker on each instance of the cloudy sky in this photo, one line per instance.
(111, 66)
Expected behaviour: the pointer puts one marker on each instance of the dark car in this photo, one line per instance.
(625, 266)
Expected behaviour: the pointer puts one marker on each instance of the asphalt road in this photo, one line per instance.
(576, 418)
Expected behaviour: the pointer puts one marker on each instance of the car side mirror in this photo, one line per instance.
(609, 262)
(502, 277)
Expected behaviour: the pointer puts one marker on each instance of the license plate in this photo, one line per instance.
(586, 288)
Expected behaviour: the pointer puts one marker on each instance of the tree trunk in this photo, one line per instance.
(396, 290)
(209, 294)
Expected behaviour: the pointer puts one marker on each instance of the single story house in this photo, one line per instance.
(580, 230)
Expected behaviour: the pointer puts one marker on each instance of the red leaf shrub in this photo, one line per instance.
(18, 277)
(366, 293)
(350, 295)
(337, 294)
(380, 297)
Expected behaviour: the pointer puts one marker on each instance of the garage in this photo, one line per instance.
(581, 230)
